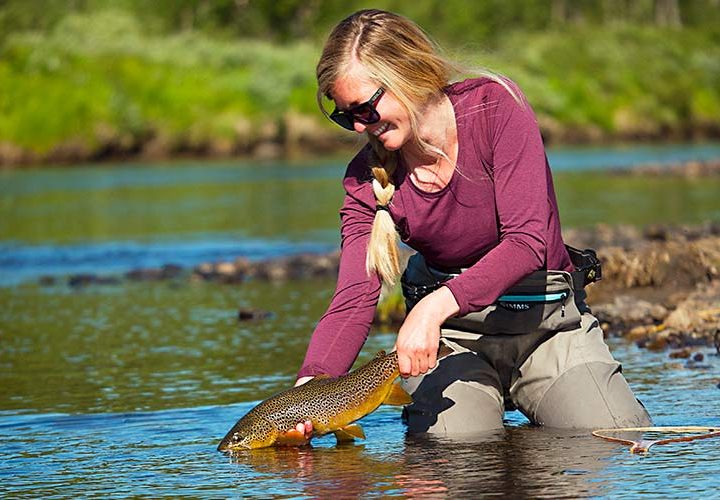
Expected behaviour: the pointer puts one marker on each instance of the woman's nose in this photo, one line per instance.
(359, 127)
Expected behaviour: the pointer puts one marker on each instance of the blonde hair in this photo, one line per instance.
(400, 57)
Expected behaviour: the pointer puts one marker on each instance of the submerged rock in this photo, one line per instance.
(661, 284)
(253, 314)
(168, 271)
(47, 280)
(694, 365)
(83, 280)
(682, 353)
(223, 272)
(302, 266)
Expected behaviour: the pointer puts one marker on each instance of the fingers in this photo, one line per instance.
(422, 365)
(305, 428)
(416, 363)
(404, 365)
(417, 345)
(432, 360)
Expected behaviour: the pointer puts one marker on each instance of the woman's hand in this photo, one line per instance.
(419, 336)
(305, 428)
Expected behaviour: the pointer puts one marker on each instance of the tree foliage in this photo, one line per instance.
(454, 22)
(194, 75)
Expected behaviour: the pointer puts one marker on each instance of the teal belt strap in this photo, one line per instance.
(548, 297)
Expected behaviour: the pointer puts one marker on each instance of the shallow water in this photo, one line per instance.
(125, 389)
(116, 217)
(151, 427)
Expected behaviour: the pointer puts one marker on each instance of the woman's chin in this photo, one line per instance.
(390, 143)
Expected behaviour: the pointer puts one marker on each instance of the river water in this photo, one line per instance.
(125, 389)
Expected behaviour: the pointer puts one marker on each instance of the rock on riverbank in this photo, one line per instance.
(661, 284)
(662, 289)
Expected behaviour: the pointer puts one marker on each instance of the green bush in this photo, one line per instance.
(100, 70)
(102, 77)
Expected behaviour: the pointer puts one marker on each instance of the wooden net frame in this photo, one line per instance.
(643, 445)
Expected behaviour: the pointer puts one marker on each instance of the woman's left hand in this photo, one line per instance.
(419, 336)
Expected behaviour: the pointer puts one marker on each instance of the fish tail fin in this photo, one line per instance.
(397, 396)
(349, 433)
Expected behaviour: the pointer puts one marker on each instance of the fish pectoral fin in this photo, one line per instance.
(397, 396)
(349, 433)
(291, 438)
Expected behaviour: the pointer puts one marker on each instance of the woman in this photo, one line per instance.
(459, 170)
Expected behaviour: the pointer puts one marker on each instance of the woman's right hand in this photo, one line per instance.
(419, 336)
(305, 427)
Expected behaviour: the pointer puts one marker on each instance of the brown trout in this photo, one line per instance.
(331, 404)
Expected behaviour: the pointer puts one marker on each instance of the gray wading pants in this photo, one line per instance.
(547, 359)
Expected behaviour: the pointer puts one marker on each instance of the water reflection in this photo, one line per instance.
(518, 462)
(150, 346)
(169, 451)
(187, 204)
(344, 471)
(126, 389)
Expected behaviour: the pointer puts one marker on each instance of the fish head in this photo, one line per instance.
(249, 433)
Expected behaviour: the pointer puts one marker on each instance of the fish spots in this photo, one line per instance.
(329, 403)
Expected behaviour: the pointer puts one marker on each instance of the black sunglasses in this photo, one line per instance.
(364, 113)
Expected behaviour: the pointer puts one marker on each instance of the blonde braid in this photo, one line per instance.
(383, 252)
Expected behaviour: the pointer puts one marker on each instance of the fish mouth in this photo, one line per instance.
(230, 444)
(230, 447)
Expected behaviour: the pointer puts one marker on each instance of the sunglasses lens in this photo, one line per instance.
(366, 114)
(343, 119)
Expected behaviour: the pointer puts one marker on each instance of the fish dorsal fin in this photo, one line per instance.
(397, 396)
(349, 433)
(380, 354)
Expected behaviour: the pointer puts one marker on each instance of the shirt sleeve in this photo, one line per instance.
(343, 329)
(521, 195)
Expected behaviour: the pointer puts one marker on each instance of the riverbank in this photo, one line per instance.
(75, 94)
(660, 286)
(296, 136)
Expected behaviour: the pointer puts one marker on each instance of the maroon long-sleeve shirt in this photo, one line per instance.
(497, 216)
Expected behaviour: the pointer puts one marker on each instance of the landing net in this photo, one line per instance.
(642, 445)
